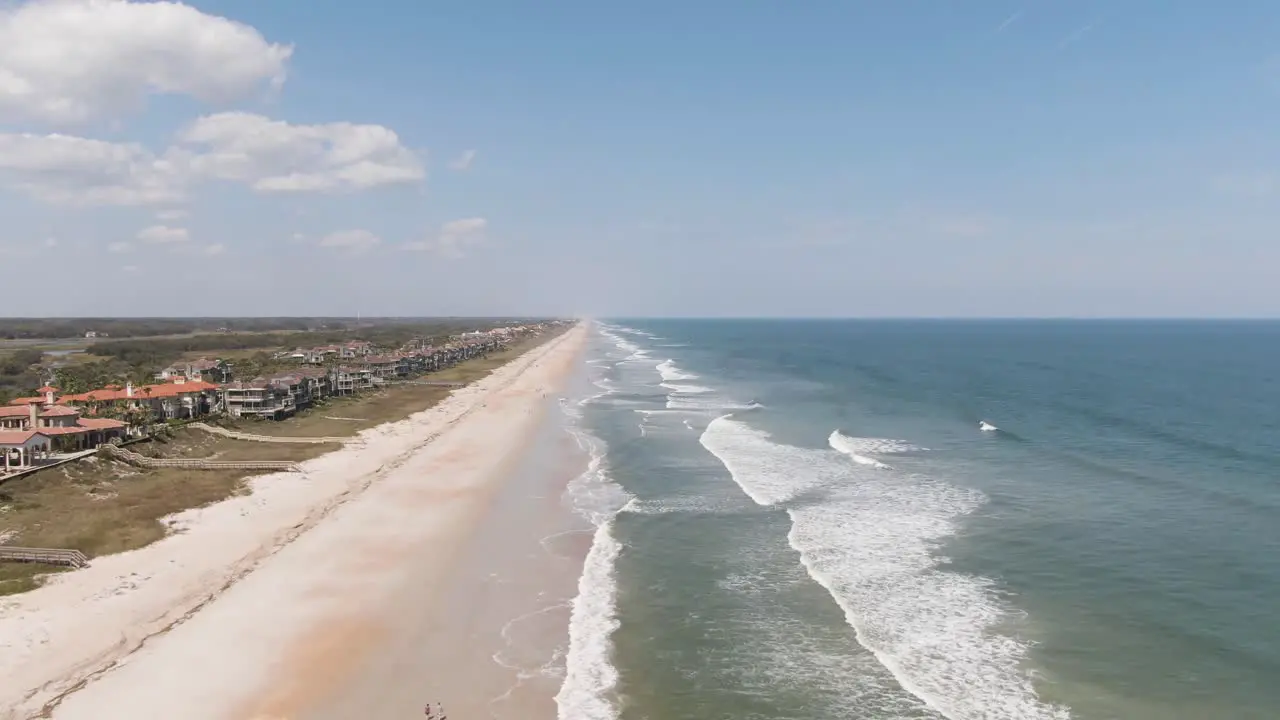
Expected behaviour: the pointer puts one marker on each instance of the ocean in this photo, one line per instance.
(804, 519)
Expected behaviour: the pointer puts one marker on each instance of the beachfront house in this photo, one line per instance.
(259, 397)
(62, 425)
(356, 349)
(298, 388)
(203, 370)
(181, 399)
(319, 381)
(350, 380)
(383, 367)
(319, 355)
(22, 449)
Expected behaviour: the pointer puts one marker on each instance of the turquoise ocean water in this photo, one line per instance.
(803, 519)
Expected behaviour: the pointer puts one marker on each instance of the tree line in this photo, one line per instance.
(59, 328)
(22, 370)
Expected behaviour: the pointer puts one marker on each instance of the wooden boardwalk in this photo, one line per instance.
(237, 435)
(47, 556)
(70, 457)
(135, 459)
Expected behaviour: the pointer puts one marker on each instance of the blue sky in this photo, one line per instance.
(714, 158)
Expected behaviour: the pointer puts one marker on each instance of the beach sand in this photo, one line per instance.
(385, 578)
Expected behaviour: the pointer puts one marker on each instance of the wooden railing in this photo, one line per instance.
(48, 556)
(135, 459)
(237, 435)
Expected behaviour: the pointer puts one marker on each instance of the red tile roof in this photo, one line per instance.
(51, 411)
(27, 400)
(55, 431)
(47, 389)
(84, 425)
(100, 423)
(142, 392)
(17, 438)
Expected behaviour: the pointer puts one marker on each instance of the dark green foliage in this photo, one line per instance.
(49, 328)
(134, 350)
(19, 374)
(81, 378)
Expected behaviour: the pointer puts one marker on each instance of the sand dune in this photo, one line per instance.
(258, 605)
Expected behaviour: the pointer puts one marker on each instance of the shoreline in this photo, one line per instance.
(77, 637)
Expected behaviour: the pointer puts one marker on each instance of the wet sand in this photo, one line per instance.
(491, 643)
(404, 595)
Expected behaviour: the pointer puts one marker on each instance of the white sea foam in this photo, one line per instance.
(686, 389)
(863, 450)
(706, 404)
(872, 542)
(634, 331)
(593, 494)
(590, 676)
(767, 475)
(691, 505)
(669, 372)
(634, 353)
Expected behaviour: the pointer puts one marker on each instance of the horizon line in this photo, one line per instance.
(571, 316)
(959, 318)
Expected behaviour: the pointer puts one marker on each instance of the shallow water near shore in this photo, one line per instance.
(813, 525)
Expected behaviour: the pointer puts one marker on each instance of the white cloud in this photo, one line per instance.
(70, 61)
(463, 162)
(120, 247)
(465, 226)
(454, 238)
(214, 249)
(129, 268)
(51, 242)
(267, 155)
(163, 235)
(355, 241)
(275, 156)
(72, 170)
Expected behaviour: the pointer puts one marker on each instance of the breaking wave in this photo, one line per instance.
(870, 537)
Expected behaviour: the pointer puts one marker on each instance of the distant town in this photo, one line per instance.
(53, 425)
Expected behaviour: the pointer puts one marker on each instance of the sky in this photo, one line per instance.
(720, 158)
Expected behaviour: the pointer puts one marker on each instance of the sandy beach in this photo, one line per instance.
(372, 584)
